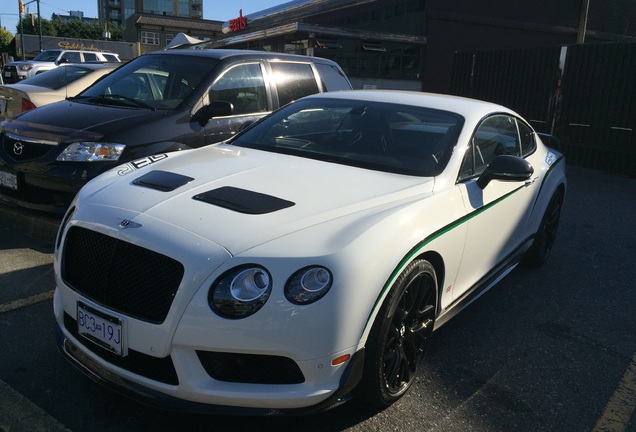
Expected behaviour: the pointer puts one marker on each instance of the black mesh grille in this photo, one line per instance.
(250, 368)
(158, 369)
(20, 150)
(10, 74)
(127, 278)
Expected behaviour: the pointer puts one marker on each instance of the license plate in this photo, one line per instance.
(105, 330)
(8, 180)
(7, 74)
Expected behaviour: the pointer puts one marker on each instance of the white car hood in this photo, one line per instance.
(293, 193)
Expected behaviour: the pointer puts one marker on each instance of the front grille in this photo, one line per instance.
(158, 369)
(10, 74)
(250, 368)
(20, 150)
(121, 276)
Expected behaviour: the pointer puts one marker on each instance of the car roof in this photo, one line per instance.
(461, 105)
(222, 54)
(93, 65)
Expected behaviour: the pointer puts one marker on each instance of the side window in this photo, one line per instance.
(89, 57)
(527, 139)
(497, 135)
(332, 78)
(293, 81)
(72, 57)
(244, 87)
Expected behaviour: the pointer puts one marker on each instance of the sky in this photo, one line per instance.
(219, 10)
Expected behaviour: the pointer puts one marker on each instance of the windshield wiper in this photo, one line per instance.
(109, 98)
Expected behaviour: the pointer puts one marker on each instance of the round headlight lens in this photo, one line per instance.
(249, 284)
(240, 292)
(308, 285)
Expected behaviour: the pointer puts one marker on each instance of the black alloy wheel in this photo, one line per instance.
(400, 335)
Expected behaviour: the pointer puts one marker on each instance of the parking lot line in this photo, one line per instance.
(620, 408)
(17, 304)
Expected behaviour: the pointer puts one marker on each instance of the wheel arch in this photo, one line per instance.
(434, 258)
(437, 261)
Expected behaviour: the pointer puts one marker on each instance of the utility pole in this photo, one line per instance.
(40, 25)
(20, 12)
(580, 37)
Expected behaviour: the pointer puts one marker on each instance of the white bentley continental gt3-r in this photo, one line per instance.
(306, 260)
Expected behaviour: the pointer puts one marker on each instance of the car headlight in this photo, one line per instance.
(25, 67)
(308, 285)
(240, 292)
(91, 152)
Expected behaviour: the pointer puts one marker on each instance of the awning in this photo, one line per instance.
(317, 30)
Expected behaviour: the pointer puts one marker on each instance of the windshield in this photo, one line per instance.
(49, 56)
(151, 81)
(58, 77)
(395, 138)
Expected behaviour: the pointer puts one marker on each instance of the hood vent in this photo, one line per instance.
(163, 181)
(243, 201)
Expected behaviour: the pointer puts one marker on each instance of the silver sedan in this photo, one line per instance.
(50, 86)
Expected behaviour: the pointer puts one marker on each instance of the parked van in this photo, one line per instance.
(159, 102)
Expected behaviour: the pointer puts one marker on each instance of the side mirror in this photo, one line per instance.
(506, 168)
(246, 125)
(215, 109)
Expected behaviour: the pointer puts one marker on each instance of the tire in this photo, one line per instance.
(544, 239)
(399, 336)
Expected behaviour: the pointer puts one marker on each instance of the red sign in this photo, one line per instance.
(238, 23)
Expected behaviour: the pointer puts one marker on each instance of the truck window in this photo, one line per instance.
(332, 78)
(293, 81)
(244, 87)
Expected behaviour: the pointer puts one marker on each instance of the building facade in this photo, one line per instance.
(410, 44)
(155, 32)
(379, 44)
(74, 15)
(116, 12)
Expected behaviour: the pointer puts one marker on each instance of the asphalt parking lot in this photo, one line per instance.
(552, 349)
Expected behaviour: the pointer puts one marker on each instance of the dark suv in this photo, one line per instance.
(157, 103)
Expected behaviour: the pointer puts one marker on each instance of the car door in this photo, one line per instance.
(243, 85)
(498, 213)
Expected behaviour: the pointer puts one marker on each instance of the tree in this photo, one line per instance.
(78, 29)
(74, 28)
(5, 39)
(30, 26)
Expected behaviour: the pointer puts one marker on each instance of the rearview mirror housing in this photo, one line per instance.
(216, 109)
(506, 168)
